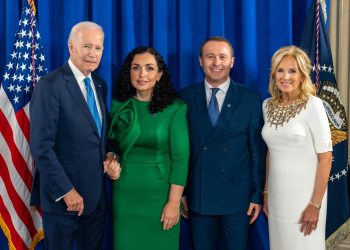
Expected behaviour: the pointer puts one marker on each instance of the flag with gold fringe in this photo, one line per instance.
(20, 222)
(316, 43)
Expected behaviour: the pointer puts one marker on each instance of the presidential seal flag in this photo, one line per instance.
(316, 43)
(20, 222)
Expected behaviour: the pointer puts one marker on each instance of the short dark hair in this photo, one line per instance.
(217, 39)
(163, 92)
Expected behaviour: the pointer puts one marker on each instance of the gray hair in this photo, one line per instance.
(83, 25)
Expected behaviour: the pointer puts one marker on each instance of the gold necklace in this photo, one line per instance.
(277, 114)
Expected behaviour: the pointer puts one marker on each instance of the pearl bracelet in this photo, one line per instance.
(315, 204)
(265, 194)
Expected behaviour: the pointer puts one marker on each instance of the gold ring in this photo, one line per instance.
(313, 226)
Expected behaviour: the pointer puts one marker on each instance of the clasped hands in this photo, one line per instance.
(111, 166)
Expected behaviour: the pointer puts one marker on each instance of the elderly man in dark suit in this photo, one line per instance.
(68, 141)
(227, 162)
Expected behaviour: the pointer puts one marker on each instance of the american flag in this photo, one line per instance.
(316, 43)
(20, 222)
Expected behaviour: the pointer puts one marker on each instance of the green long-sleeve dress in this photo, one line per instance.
(154, 153)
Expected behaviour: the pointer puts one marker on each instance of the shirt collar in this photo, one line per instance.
(76, 72)
(222, 87)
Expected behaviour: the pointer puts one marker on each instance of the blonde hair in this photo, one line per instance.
(304, 66)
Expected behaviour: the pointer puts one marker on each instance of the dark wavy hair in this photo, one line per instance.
(163, 93)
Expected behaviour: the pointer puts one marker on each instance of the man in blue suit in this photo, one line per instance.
(68, 142)
(227, 162)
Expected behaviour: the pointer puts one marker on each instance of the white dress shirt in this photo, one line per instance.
(220, 95)
(80, 79)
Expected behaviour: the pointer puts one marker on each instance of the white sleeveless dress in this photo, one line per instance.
(293, 150)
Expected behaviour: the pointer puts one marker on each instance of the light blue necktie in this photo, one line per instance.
(90, 99)
(213, 107)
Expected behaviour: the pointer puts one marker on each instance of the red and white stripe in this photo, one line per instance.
(21, 222)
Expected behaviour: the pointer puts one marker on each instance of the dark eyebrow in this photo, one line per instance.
(213, 54)
(148, 64)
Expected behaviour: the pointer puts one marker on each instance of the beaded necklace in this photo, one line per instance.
(277, 114)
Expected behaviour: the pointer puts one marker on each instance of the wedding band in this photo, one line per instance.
(313, 226)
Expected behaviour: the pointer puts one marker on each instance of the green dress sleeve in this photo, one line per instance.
(179, 147)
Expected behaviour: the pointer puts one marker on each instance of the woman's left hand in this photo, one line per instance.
(309, 219)
(170, 215)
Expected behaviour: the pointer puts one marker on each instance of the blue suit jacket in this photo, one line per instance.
(64, 141)
(227, 162)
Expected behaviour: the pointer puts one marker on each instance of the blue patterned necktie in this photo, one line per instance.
(213, 107)
(90, 99)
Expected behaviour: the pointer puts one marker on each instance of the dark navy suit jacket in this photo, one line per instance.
(227, 162)
(64, 141)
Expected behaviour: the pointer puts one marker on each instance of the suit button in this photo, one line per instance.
(205, 148)
(222, 171)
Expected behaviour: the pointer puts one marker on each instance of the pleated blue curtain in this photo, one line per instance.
(176, 28)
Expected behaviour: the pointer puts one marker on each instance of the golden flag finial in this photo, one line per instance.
(31, 3)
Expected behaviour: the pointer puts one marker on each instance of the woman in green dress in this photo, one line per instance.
(149, 127)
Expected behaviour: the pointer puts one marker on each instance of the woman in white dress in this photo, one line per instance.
(298, 137)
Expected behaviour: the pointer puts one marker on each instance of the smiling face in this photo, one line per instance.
(144, 73)
(288, 77)
(216, 61)
(86, 49)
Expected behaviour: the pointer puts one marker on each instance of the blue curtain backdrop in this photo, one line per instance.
(176, 28)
